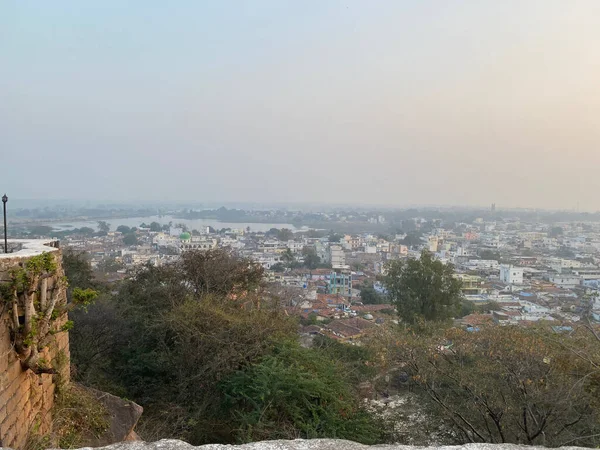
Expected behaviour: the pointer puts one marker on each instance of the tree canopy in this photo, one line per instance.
(103, 226)
(123, 229)
(130, 239)
(369, 296)
(508, 384)
(423, 288)
(412, 239)
(311, 259)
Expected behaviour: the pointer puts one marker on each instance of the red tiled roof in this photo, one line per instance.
(477, 319)
(369, 308)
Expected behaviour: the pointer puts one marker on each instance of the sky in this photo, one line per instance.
(357, 101)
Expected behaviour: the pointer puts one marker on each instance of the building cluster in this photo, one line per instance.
(525, 271)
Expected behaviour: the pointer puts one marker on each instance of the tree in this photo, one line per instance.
(40, 230)
(565, 252)
(423, 289)
(489, 255)
(78, 270)
(278, 267)
(212, 356)
(369, 296)
(316, 233)
(33, 294)
(556, 232)
(124, 229)
(466, 308)
(409, 225)
(103, 226)
(288, 258)
(218, 271)
(311, 259)
(272, 232)
(295, 393)
(130, 239)
(506, 384)
(180, 330)
(110, 265)
(155, 227)
(285, 235)
(412, 239)
(183, 227)
(84, 231)
(335, 237)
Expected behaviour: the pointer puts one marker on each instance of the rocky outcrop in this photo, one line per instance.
(313, 444)
(123, 416)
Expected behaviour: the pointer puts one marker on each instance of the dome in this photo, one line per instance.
(368, 316)
(185, 236)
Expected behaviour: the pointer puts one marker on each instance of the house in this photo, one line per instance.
(349, 329)
(565, 280)
(510, 274)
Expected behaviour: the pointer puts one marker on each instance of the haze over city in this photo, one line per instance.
(391, 102)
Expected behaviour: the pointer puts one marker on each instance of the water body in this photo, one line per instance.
(192, 224)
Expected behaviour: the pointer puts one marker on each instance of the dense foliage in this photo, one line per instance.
(423, 288)
(508, 384)
(212, 357)
(206, 348)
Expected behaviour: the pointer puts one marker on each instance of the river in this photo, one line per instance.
(192, 224)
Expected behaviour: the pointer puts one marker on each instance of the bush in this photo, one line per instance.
(294, 393)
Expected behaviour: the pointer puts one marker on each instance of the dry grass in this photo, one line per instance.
(76, 415)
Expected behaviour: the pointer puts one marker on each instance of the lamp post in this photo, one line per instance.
(4, 200)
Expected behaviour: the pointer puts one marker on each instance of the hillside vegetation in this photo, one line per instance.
(209, 352)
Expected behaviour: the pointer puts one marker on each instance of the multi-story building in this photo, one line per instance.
(510, 274)
(338, 259)
(340, 282)
(565, 280)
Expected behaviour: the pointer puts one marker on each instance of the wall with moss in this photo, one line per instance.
(26, 398)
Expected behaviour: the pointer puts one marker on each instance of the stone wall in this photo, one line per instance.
(312, 444)
(26, 399)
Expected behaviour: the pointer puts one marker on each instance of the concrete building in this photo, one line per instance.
(338, 259)
(197, 242)
(340, 282)
(433, 244)
(510, 274)
(565, 281)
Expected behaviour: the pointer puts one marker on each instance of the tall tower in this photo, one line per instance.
(493, 207)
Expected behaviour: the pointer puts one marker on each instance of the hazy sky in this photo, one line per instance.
(370, 101)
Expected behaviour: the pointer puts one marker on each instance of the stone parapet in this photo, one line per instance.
(312, 444)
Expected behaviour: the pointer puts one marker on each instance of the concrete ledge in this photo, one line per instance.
(26, 248)
(300, 444)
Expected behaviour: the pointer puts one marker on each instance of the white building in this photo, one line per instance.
(482, 264)
(338, 259)
(565, 280)
(267, 260)
(558, 264)
(510, 274)
(433, 243)
(198, 243)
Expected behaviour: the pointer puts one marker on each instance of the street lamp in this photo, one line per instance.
(4, 200)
